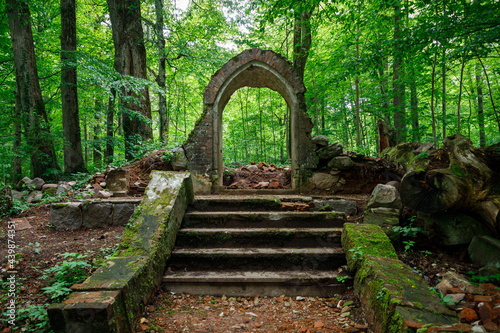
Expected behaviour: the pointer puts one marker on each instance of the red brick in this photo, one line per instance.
(467, 315)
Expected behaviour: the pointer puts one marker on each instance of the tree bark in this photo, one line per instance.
(160, 79)
(109, 151)
(464, 180)
(302, 40)
(32, 108)
(480, 109)
(414, 107)
(130, 59)
(398, 86)
(73, 155)
(356, 82)
(96, 144)
(17, 160)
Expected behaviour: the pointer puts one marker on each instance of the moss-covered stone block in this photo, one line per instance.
(359, 240)
(397, 300)
(136, 269)
(92, 312)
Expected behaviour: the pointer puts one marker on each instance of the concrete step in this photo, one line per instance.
(321, 258)
(257, 283)
(251, 219)
(262, 237)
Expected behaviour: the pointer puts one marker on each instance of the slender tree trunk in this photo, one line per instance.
(272, 123)
(460, 93)
(86, 138)
(383, 92)
(130, 59)
(480, 109)
(38, 135)
(96, 144)
(248, 128)
(443, 101)
(160, 79)
(398, 87)
(433, 113)
(73, 156)
(490, 92)
(108, 153)
(243, 126)
(260, 125)
(17, 161)
(356, 82)
(414, 106)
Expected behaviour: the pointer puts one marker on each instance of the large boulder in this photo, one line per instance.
(47, 187)
(485, 251)
(453, 228)
(5, 200)
(330, 151)
(97, 214)
(19, 195)
(339, 205)
(324, 181)
(23, 183)
(179, 160)
(62, 188)
(385, 196)
(341, 163)
(66, 215)
(320, 140)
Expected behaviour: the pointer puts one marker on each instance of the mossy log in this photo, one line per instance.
(455, 177)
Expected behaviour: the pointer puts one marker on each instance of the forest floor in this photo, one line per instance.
(40, 247)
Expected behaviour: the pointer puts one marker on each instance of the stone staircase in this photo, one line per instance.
(249, 246)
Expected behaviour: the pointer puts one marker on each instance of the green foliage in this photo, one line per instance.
(33, 319)
(342, 279)
(357, 252)
(476, 279)
(408, 245)
(408, 231)
(64, 275)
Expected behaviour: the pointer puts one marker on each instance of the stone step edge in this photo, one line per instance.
(250, 252)
(254, 277)
(261, 230)
(272, 215)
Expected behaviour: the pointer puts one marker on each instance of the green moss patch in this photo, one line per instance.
(359, 240)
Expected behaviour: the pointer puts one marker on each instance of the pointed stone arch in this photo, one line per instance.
(254, 68)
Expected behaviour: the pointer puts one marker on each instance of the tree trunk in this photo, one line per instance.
(467, 184)
(414, 107)
(480, 109)
(96, 144)
(356, 82)
(398, 87)
(302, 40)
(73, 155)
(130, 59)
(433, 113)
(17, 161)
(443, 102)
(108, 153)
(460, 93)
(162, 101)
(32, 108)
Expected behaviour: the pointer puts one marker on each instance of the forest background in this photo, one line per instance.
(87, 83)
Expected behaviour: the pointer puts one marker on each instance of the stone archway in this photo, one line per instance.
(254, 68)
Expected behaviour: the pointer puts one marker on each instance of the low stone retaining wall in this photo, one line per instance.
(92, 213)
(111, 299)
(394, 299)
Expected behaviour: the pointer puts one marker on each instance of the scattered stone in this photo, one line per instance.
(345, 314)
(287, 304)
(467, 315)
(45, 187)
(66, 215)
(246, 319)
(385, 196)
(340, 205)
(179, 160)
(324, 181)
(456, 280)
(252, 167)
(21, 224)
(34, 197)
(341, 163)
(62, 188)
(37, 183)
(330, 151)
(444, 286)
(104, 194)
(489, 271)
(319, 324)
(320, 140)
(257, 325)
(394, 184)
(300, 298)
(24, 183)
(18, 195)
